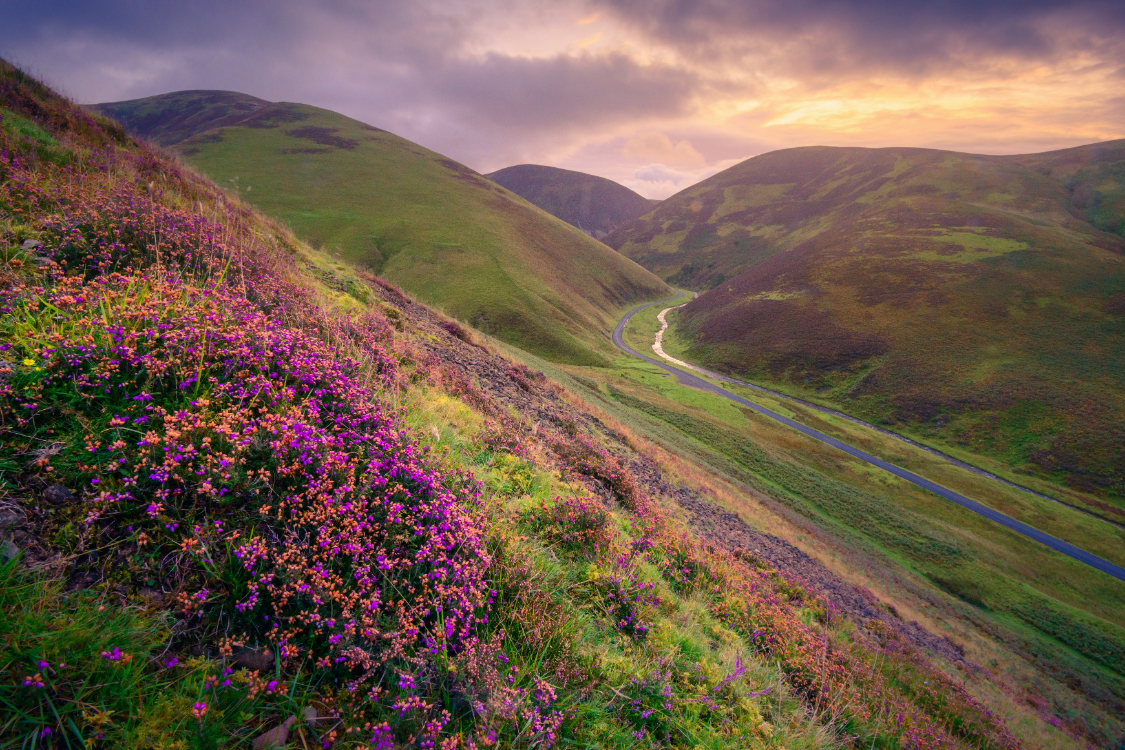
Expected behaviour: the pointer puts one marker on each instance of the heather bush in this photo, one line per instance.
(524, 377)
(580, 456)
(456, 331)
(195, 402)
(625, 600)
(504, 435)
(576, 525)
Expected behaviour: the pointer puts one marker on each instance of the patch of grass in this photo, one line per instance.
(77, 670)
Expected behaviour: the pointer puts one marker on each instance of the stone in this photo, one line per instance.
(58, 495)
(278, 737)
(314, 721)
(10, 517)
(254, 660)
(8, 551)
(30, 246)
(150, 596)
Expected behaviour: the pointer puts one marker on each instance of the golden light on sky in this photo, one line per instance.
(655, 94)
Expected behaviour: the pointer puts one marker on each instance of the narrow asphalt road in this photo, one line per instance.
(693, 381)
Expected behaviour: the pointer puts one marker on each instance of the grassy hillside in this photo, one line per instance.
(247, 492)
(977, 302)
(594, 204)
(423, 221)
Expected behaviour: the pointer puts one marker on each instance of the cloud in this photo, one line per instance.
(655, 146)
(824, 39)
(683, 85)
(416, 68)
(659, 173)
(557, 93)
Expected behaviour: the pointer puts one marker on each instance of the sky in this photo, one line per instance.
(655, 94)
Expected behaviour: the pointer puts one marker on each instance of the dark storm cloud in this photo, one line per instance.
(834, 37)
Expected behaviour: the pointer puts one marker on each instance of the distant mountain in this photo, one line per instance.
(976, 301)
(594, 204)
(415, 217)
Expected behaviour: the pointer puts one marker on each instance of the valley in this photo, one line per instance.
(316, 437)
(940, 295)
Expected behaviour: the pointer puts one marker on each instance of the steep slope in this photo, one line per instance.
(976, 301)
(271, 500)
(594, 204)
(423, 221)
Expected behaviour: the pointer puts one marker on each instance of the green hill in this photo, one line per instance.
(594, 204)
(977, 302)
(416, 218)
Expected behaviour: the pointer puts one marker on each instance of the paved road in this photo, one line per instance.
(694, 381)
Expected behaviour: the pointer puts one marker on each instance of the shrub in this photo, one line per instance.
(577, 525)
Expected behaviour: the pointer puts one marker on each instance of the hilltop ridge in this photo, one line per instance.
(174, 117)
(593, 204)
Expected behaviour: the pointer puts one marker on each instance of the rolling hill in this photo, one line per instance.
(594, 204)
(977, 302)
(416, 218)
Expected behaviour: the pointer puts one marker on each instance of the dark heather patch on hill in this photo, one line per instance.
(323, 136)
(275, 116)
(286, 151)
(193, 144)
(593, 204)
(788, 336)
(171, 118)
(471, 177)
(939, 290)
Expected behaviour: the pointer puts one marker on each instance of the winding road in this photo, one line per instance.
(694, 381)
